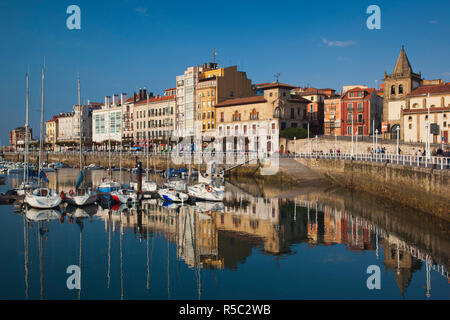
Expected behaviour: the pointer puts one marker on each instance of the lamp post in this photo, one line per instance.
(309, 142)
(352, 132)
(335, 143)
(376, 142)
(427, 125)
(398, 137)
(295, 147)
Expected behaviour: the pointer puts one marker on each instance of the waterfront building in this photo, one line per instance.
(316, 108)
(154, 121)
(260, 119)
(17, 137)
(332, 115)
(397, 86)
(107, 123)
(186, 102)
(361, 110)
(214, 86)
(65, 129)
(415, 113)
(51, 132)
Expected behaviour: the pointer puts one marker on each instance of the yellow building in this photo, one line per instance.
(51, 130)
(215, 86)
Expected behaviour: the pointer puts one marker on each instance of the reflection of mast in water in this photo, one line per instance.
(168, 254)
(121, 265)
(109, 248)
(428, 268)
(41, 232)
(26, 263)
(80, 223)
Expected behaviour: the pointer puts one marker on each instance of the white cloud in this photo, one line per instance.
(141, 10)
(433, 21)
(338, 43)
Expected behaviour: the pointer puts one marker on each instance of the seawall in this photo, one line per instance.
(425, 189)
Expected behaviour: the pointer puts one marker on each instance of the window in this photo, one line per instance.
(360, 118)
(360, 107)
(277, 113)
(350, 107)
(400, 89)
(392, 89)
(221, 117)
(292, 113)
(349, 130)
(410, 126)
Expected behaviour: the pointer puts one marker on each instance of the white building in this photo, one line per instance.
(107, 122)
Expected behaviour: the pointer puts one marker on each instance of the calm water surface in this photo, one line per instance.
(260, 245)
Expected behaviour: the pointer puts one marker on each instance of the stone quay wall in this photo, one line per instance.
(344, 144)
(425, 189)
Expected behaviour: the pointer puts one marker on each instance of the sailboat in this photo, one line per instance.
(168, 192)
(81, 196)
(42, 197)
(123, 195)
(147, 184)
(108, 184)
(27, 184)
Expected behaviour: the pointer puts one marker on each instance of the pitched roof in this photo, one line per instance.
(298, 99)
(239, 101)
(431, 89)
(402, 66)
(277, 85)
(155, 99)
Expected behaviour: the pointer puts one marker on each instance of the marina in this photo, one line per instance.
(254, 244)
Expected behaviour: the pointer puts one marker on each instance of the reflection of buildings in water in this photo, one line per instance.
(402, 263)
(336, 226)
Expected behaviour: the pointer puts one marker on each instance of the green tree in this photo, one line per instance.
(298, 133)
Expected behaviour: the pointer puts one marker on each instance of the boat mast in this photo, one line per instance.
(25, 169)
(80, 122)
(41, 142)
(148, 116)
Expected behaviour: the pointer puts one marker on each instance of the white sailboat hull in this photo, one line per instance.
(48, 201)
(82, 200)
(172, 195)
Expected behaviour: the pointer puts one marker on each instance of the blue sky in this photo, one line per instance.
(124, 45)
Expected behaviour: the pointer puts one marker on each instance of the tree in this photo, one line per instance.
(298, 133)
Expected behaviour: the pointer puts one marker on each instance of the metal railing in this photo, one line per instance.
(435, 162)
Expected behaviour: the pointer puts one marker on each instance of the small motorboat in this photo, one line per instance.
(207, 192)
(172, 195)
(94, 167)
(43, 198)
(147, 186)
(124, 195)
(79, 198)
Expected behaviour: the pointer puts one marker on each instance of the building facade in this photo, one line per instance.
(414, 116)
(17, 137)
(215, 86)
(107, 123)
(332, 116)
(361, 112)
(396, 87)
(260, 119)
(154, 121)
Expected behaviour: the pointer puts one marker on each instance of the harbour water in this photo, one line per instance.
(265, 243)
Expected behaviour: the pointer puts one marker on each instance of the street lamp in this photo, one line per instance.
(398, 137)
(295, 147)
(309, 142)
(376, 141)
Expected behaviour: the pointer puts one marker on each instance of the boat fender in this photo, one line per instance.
(62, 195)
(71, 192)
(209, 189)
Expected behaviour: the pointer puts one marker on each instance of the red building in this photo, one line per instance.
(363, 108)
